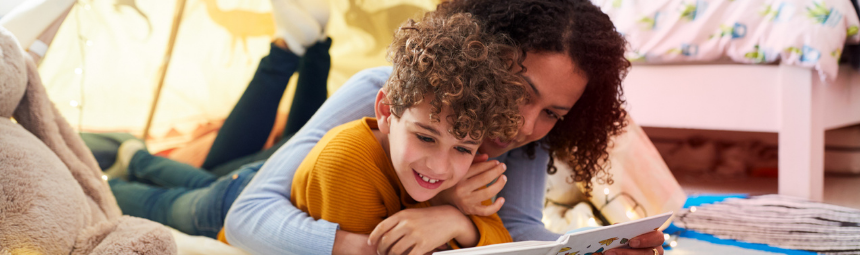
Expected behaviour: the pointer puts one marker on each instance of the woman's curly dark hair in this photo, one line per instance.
(456, 62)
(579, 29)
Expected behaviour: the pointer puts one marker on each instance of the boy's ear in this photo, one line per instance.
(383, 112)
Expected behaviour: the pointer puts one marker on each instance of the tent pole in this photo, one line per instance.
(162, 72)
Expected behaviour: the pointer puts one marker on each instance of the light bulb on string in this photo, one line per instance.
(592, 222)
(630, 214)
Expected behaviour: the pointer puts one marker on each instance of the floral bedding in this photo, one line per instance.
(796, 32)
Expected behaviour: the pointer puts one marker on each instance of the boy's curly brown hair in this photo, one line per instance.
(579, 29)
(455, 62)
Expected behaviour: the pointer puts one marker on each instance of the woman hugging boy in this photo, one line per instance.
(451, 87)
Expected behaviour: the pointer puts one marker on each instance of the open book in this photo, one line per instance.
(588, 242)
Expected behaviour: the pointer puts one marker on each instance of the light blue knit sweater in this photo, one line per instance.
(263, 221)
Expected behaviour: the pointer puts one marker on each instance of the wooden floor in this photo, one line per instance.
(842, 190)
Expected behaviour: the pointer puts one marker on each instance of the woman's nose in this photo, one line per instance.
(530, 114)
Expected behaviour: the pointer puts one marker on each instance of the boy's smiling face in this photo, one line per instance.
(426, 157)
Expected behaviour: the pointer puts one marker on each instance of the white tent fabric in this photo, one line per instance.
(102, 69)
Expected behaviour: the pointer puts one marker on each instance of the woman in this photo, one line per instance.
(574, 64)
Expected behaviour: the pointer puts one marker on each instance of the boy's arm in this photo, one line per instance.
(490, 229)
(421, 230)
(262, 220)
(340, 187)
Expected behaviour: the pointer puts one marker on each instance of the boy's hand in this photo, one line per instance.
(644, 244)
(422, 230)
(348, 243)
(468, 194)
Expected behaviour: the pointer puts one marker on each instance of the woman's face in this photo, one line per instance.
(555, 83)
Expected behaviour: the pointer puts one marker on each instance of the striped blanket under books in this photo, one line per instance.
(778, 221)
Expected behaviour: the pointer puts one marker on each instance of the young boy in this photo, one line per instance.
(451, 87)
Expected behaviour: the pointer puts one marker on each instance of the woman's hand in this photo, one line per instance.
(422, 230)
(468, 194)
(644, 244)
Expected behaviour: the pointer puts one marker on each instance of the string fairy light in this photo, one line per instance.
(631, 215)
(83, 43)
(631, 212)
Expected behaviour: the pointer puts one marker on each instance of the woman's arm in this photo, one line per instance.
(262, 220)
(524, 198)
(524, 195)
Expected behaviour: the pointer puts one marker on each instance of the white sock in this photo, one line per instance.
(318, 9)
(123, 157)
(127, 150)
(299, 27)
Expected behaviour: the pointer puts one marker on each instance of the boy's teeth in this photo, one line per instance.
(426, 179)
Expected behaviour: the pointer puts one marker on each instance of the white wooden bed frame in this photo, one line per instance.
(789, 100)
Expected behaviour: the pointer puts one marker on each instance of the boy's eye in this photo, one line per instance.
(553, 115)
(464, 150)
(425, 139)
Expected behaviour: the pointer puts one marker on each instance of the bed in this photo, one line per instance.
(761, 66)
(788, 100)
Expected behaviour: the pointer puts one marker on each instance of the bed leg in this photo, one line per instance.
(801, 135)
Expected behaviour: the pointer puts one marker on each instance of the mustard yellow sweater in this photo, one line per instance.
(348, 179)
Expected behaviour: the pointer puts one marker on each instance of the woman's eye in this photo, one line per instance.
(425, 139)
(464, 150)
(552, 114)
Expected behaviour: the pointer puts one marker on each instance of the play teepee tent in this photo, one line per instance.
(179, 65)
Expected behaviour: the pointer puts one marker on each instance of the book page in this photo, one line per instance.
(596, 241)
(515, 248)
(588, 242)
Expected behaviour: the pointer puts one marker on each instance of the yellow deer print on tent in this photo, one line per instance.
(241, 24)
(133, 6)
(377, 24)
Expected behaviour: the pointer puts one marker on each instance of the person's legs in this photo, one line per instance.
(228, 167)
(149, 202)
(194, 211)
(165, 172)
(311, 88)
(191, 211)
(247, 128)
(311, 92)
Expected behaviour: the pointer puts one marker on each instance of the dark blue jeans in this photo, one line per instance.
(196, 200)
(181, 196)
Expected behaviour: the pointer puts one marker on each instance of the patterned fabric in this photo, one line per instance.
(797, 32)
(779, 221)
